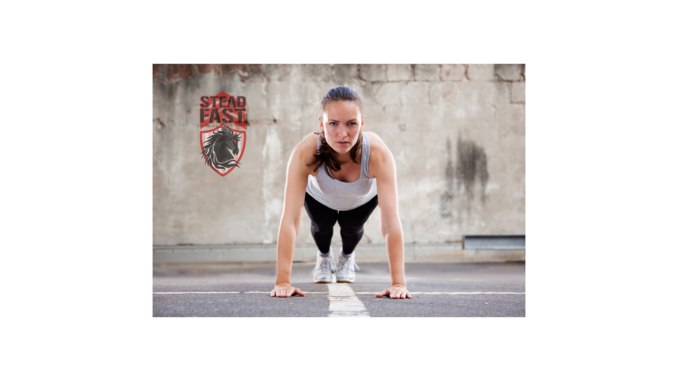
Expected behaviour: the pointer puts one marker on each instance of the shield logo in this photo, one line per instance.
(222, 148)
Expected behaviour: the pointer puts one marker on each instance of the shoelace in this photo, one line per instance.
(344, 264)
(324, 264)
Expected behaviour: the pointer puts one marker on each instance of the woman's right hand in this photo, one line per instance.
(285, 290)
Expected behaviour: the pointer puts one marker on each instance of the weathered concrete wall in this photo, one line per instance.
(457, 133)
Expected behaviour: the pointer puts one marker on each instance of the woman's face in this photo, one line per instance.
(342, 123)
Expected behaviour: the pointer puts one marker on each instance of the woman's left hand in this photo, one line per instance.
(396, 291)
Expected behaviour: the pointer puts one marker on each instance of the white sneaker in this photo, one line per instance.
(324, 267)
(346, 269)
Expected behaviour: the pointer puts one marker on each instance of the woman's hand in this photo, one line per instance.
(396, 291)
(285, 290)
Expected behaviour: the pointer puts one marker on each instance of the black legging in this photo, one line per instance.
(350, 221)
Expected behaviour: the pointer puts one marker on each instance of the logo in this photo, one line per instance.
(222, 146)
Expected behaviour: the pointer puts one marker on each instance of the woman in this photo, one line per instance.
(336, 177)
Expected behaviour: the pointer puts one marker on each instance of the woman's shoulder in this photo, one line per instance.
(378, 152)
(306, 149)
(309, 142)
(377, 145)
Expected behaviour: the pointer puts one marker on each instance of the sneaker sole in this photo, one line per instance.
(345, 280)
(322, 280)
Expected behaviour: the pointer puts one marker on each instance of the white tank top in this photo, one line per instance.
(340, 195)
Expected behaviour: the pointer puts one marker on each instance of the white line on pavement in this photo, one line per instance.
(344, 302)
(227, 292)
(199, 292)
(268, 292)
(454, 293)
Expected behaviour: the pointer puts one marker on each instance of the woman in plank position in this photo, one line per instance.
(336, 177)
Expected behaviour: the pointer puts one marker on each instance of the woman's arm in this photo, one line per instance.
(290, 223)
(391, 228)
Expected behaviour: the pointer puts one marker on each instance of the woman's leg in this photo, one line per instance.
(352, 221)
(322, 222)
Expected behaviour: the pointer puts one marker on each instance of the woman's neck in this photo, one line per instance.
(344, 156)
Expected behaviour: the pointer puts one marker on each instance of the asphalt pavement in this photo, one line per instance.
(439, 289)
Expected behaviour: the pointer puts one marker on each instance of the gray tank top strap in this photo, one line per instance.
(365, 157)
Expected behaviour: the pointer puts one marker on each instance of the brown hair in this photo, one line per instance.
(325, 153)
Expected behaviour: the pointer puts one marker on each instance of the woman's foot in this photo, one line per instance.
(324, 267)
(346, 268)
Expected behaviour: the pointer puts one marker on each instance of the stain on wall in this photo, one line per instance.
(471, 166)
(464, 176)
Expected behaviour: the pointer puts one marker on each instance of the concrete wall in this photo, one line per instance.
(457, 133)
